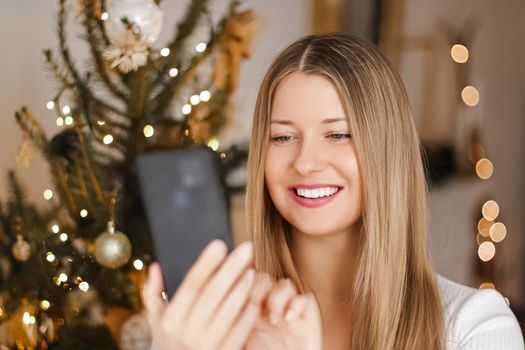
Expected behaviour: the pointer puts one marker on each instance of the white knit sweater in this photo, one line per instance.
(474, 319)
(478, 319)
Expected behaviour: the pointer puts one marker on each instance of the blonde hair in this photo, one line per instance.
(396, 303)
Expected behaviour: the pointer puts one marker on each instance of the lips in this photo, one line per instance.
(313, 202)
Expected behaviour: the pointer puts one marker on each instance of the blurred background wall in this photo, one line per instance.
(417, 36)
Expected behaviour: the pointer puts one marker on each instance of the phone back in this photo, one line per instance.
(185, 205)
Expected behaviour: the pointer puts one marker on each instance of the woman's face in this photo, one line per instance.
(311, 169)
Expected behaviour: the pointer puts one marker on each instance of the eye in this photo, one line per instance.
(281, 139)
(339, 136)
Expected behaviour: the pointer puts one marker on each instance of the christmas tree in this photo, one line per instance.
(64, 267)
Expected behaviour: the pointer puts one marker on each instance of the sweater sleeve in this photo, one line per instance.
(484, 321)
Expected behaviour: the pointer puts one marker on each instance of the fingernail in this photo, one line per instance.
(216, 245)
(274, 318)
(244, 249)
(290, 315)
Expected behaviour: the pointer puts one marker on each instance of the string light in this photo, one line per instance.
(138, 264)
(62, 277)
(195, 100)
(484, 226)
(173, 72)
(480, 239)
(165, 52)
(83, 213)
(459, 53)
(186, 109)
(66, 109)
(205, 96)
(48, 194)
(83, 286)
(60, 121)
(486, 251)
(68, 120)
(490, 210)
(470, 95)
(214, 144)
(104, 16)
(50, 257)
(101, 122)
(149, 131)
(50, 105)
(55, 228)
(44, 304)
(200, 47)
(107, 139)
(498, 232)
(487, 285)
(63, 236)
(484, 168)
(28, 319)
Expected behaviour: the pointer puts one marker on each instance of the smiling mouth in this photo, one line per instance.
(316, 193)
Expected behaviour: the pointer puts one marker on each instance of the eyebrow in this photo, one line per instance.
(326, 121)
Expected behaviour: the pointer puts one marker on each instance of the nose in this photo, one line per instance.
(309, 158)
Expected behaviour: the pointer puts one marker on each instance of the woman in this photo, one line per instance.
(336, 205)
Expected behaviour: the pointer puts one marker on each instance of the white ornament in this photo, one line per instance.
(127, 58)
(133, 21)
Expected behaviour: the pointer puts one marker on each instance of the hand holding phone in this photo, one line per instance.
(215, 307)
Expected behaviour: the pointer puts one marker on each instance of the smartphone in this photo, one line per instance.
(186, 207)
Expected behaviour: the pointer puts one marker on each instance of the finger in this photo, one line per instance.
(197, 276)
(152, 294)
(303, 306)
(219, 285)
(229, 310)
(295, 308)
(237, 336)
(261, 287)
(311, 310)
(278, 299)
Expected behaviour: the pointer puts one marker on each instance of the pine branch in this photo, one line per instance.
(183, 32)
(64, 50)
(60, 177)
(87, 164)
(61, 75)
(83, 92)
(94, 38)
(34, 130)
(170, 89)
(17, 194)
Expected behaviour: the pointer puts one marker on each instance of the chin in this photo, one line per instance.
(316, 229)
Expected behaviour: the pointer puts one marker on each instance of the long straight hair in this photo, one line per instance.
(395, 302)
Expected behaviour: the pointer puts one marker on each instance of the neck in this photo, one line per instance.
(327, 263)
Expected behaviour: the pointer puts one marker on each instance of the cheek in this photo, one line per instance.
(274, 167)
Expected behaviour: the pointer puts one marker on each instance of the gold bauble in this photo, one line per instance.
(24, 325)
(112, 248)
(21, 249)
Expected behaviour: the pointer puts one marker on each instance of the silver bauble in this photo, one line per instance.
(112, 248)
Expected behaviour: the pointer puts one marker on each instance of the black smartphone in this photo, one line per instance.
(186, 207)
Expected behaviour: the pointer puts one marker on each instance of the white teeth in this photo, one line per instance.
(317, 193)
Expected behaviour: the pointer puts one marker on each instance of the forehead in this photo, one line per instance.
(306, 98)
